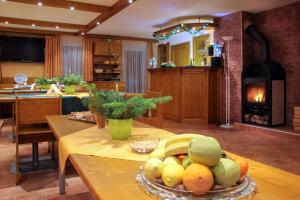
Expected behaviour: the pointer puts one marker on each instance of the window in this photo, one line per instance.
(135, 66)
(72, 55)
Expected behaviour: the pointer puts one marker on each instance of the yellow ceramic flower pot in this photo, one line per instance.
(119, 129)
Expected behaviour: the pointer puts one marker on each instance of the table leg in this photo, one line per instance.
(52, 151)
(13, 123)
(61, 180)
(35, 155)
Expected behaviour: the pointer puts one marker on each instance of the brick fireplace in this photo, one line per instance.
(281, 27)
(263, 94)
(263, 86)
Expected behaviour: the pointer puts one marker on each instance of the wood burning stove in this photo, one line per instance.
(263, 88)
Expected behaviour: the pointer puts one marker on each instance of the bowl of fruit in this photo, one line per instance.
(192, 166)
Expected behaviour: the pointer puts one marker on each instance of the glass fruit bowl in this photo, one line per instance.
(143, 144)
(243, 190)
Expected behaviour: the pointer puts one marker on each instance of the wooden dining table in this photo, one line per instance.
(114, 179)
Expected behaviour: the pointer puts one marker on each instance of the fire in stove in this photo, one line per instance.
(256, 93)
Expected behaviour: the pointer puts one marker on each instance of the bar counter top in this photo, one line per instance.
(184, 67)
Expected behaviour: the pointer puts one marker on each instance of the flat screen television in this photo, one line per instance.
(22, 49)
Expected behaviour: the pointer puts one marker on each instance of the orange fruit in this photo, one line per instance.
(243, 164)
(198, 178)
(181, 157)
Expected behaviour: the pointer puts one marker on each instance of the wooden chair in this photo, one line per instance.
(31, 127)
(153, 117)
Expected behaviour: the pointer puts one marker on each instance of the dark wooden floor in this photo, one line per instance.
(279, 150)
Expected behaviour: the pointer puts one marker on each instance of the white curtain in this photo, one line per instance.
(72, 55)
(135, 66)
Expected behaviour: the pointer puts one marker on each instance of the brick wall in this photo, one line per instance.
(230, 25)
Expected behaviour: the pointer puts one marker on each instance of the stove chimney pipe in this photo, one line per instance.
(251, 29)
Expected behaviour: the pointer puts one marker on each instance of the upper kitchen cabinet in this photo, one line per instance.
(116, 47)
(108, 47)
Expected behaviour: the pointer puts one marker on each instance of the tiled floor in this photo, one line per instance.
(278, 150)
(41, 186)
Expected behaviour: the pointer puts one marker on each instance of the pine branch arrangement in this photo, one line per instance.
(112, 105)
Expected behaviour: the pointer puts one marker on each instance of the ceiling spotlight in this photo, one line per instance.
(33, 25)
(57, 27)
(98, 23)
(3, 0)
(6, 22)
(82, 33)
(72, 8)
(40, 3)
(130, 1)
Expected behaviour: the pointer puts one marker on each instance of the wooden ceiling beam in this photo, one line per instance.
(45, 32)
(39, 23)
(116, 8)
(33, 31)
(117, 37)
(67, 4)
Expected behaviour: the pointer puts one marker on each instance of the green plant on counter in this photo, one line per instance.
(73, 80)
(43, 81)
(58, 79)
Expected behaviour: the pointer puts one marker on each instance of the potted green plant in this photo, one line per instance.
(96, 100)
(120, 111)
(71, 82)
(44, 83)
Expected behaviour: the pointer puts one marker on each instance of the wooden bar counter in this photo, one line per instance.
(195, 91)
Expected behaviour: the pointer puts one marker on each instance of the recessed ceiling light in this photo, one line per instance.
(33, 25)
(98, 23)
(6, 22)
(72, 8)
(130, 1)
(57, 27)
(82, 33)
(40, 3)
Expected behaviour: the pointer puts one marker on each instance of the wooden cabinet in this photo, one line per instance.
(109, 85)
(102, 47)
(163, 53)
(195, 92)
(107, 60)
(116, 47)
(108, 47)
(170, 86)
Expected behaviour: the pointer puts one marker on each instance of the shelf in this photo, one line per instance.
(107, 73)
(106, 64)
(107, 80)
(107, 55)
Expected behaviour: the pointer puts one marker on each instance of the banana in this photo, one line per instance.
(179, 144)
